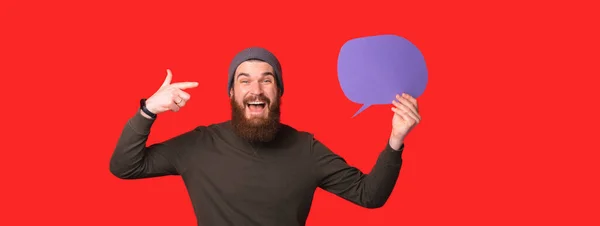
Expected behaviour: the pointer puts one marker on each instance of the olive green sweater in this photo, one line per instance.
(231, 182)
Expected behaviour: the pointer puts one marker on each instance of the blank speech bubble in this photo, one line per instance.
(373, 69)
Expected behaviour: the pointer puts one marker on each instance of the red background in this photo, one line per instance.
(509, 114)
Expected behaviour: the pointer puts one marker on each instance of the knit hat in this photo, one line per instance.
(255, 53)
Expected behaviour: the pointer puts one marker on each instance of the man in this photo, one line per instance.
(252, 169)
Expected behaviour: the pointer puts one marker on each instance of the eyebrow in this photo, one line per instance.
(263, 74)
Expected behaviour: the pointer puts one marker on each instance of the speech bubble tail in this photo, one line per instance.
(364, 107)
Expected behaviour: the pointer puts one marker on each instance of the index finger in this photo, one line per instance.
(185, 85)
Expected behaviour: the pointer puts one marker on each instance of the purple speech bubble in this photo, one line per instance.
(372, 70)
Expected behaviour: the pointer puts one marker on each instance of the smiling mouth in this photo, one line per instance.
(256, 106)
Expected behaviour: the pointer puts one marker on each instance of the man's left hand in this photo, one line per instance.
(406, 117)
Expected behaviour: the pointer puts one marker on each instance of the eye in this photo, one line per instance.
(267, 80)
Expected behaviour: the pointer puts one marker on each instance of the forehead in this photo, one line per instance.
(253, 67)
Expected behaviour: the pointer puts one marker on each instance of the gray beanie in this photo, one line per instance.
(255, 53)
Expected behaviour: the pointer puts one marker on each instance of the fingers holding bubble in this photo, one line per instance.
(409, 105)
(406, 111)
(401, 113)
(412, 100)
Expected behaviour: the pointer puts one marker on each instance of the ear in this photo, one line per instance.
(230, 92)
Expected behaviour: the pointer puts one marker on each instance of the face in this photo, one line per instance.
(255, 101)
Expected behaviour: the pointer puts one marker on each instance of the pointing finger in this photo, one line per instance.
(168, 79)
(185, 85)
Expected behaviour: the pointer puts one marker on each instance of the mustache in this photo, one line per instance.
(260, 98)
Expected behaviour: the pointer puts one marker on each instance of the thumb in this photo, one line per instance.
(167, 79)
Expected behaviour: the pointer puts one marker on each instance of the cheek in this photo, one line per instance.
(240, 101)
(271, 93)
(239, 95)
(237, 98)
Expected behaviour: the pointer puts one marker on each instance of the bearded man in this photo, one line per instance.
(253, 169)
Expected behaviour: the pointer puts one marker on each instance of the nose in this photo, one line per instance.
(256, 88)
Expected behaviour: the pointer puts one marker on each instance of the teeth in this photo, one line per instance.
(255, 102)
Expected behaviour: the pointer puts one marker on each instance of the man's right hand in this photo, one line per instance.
(169, 96)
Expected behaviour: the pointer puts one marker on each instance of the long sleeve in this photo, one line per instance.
(133, 159)
(370, 190)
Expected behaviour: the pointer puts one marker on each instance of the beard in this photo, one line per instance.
(255, 129)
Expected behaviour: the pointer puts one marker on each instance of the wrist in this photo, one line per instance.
(396, 142)
(151, 109)
(145, 115)
(146, 111)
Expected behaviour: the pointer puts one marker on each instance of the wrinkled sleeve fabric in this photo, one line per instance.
(133, 159)
(370, 190)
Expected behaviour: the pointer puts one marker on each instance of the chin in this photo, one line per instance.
(257, 117)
